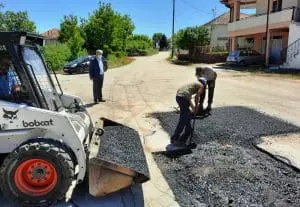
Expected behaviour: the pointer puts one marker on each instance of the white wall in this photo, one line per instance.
(289, 3)
(261, 6)
(219, 32)
(294, 35)
(259, 21)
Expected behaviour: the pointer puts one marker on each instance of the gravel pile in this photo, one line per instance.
(226, 169)
(121, 145)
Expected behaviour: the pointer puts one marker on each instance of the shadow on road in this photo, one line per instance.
(249, 68)
(132, 196)
(89, 105)
(226, 169)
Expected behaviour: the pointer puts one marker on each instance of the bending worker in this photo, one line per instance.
(210, 75)
(184, 98)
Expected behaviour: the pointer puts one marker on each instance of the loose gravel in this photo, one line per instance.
(122, 145)
(226, 169)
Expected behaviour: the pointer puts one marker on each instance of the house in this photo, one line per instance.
(51, 36)
(275, 29)
(219, 32)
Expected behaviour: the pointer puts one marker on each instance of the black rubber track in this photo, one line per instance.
(53, 152)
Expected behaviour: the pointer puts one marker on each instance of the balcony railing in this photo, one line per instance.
(286, 15)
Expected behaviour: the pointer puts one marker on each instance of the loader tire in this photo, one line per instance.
(37, 173)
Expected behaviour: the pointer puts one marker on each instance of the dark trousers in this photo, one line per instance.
(97, 88)
(184, 121)
(211, 90)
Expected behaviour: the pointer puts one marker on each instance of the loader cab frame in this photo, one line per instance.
(32, 73)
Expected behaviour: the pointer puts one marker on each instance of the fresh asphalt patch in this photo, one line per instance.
(226, 169)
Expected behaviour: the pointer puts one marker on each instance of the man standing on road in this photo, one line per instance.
(97, 69)
(184, 98)
(210, 75)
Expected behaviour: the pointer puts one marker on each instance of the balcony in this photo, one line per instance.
(257, 24)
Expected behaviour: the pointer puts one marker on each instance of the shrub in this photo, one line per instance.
(57, 55)
(138, 45)
(114, 61)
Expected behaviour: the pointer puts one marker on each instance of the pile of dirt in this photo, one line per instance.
(226, 169)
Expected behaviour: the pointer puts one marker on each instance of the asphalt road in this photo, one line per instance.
(134, 93)
(148, 86)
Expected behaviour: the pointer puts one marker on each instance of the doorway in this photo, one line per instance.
(276, 47)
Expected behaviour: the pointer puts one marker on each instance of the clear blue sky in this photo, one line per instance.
(148, 16)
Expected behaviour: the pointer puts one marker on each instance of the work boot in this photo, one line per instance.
(208, 109)
(180, 143)
(173, 139)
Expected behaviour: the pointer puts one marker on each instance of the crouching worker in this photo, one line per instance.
(189, 107)
(210, 75)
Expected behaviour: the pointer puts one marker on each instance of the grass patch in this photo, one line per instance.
(175, 61)
(115, 62)
(151, 51)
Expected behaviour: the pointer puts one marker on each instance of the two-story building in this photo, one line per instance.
(275, 29)
(218, 29)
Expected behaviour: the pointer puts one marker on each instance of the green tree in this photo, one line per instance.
(191, 37)
(73, 36)
(15, 21)
(163, 43)
(76, 43)
(57, 55)
(68, 27)
(107, 29)
(156, 38)
(138, 45)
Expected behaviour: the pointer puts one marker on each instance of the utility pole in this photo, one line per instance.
(212, 27)
(173, 29)
(267, 37)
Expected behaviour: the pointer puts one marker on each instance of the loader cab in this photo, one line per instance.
(24, 75)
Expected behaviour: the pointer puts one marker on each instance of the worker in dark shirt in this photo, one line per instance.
(185, 100)
(210, 75)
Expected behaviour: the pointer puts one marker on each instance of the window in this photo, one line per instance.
(277, 5)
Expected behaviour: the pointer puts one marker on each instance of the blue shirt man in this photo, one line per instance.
(7, 83)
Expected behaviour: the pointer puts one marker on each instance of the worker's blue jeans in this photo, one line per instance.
(184, 121)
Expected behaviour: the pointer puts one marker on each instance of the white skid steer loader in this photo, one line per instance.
(48, 142)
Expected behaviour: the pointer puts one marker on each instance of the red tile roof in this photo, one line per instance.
(52, 34)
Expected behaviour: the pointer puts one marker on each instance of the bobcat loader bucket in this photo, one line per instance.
(116, 158)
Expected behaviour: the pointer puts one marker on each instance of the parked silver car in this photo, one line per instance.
(245, 57)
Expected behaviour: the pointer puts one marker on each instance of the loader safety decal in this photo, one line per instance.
(11, 115)
(36, 123)
(2, 48)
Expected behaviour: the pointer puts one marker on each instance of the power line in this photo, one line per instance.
(193, 7)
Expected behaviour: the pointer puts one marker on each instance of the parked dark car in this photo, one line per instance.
(245, 57)
(79, 65)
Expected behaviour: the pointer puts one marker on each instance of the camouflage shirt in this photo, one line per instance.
(187, 91)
